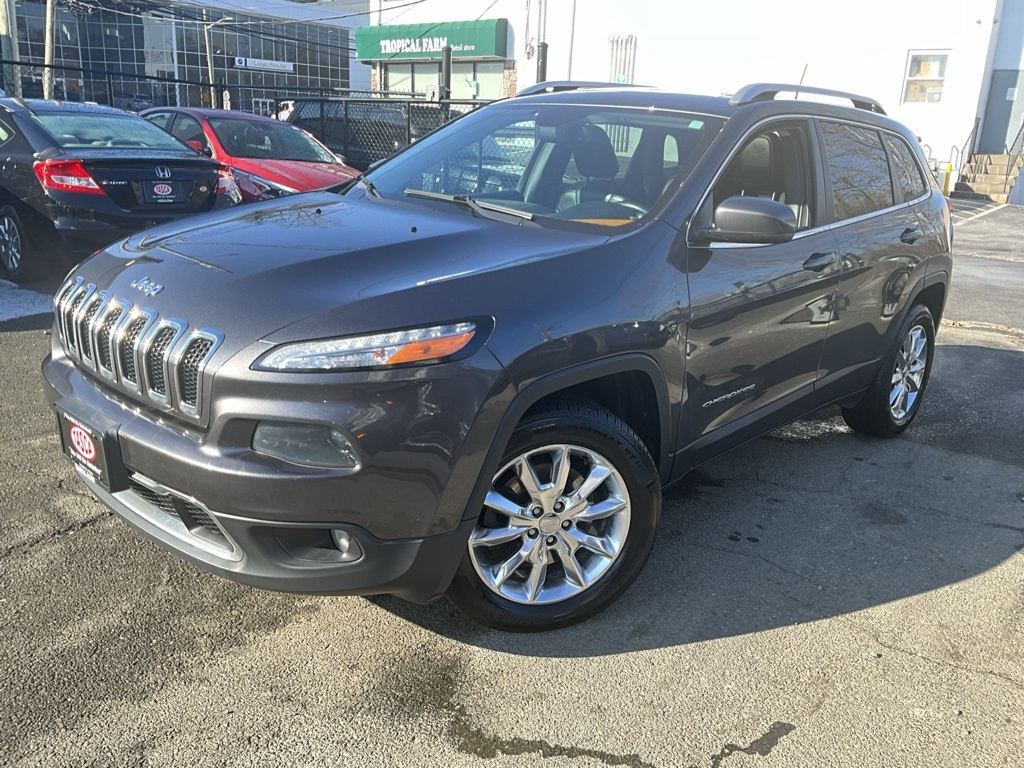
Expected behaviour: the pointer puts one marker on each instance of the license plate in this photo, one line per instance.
(163, 192)
(95, 453)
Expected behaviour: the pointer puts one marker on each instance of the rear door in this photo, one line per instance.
(882, 246)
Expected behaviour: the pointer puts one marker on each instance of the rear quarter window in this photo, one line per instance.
(911, 177)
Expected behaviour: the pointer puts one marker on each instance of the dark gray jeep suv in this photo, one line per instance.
(447, 377)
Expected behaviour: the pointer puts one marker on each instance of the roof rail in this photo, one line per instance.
(754, 92)
(554, 86)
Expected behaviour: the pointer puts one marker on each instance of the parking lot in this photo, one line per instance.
(816, 598)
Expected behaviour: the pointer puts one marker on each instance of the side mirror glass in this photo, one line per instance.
(750, 220)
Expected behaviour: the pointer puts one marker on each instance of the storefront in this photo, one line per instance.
(406, 58)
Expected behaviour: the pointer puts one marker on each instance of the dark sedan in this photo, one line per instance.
(75, 177)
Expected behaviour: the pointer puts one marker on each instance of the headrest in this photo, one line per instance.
(594, 153)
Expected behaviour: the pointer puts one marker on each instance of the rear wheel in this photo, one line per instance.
(894, 397)
(568, 521)
(12, 245)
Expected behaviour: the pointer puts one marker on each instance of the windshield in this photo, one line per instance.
(267, 140)
(100, 130)
(593, 165)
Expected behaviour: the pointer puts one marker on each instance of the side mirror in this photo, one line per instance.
(750, 220)
(199, 146)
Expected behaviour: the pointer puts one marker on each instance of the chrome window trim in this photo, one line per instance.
(806, 232)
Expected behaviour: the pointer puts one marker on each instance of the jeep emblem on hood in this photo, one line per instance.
(147, 286)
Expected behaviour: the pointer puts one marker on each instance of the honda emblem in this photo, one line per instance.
(163, 172)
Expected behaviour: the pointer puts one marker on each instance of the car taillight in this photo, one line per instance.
(949, 204)
(226, 183)
(66, 176)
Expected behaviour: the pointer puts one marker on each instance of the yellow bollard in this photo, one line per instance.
(945, 184)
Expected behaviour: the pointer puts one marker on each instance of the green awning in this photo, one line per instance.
(486, 39)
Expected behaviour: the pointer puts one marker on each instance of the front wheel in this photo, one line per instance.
(894, 397)
(568, 521)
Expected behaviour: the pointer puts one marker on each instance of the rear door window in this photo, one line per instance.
(859, 169)
(160, 119)
(187, 128)
(907, 169)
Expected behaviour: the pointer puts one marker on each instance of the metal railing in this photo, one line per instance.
(1015, 150)
(968, 149)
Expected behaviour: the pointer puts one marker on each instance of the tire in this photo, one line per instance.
(13, 246)
(552, 557)
(894, 397)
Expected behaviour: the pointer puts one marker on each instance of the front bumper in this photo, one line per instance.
(204, 495)
(290, 558)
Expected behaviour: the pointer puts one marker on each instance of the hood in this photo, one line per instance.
(298, 175)
(254, 269)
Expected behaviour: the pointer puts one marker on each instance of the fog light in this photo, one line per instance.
(311, 445)
(348, 546)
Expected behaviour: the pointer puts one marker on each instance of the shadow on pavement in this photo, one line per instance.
(814, 521)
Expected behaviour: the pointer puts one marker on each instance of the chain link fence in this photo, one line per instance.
(367, 130)
(363, 126)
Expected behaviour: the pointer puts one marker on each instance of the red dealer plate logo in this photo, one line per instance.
(163, 189)
(82, 442)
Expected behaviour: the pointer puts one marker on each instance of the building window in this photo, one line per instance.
(926, 74)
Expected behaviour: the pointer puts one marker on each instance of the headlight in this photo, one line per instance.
(419, 345)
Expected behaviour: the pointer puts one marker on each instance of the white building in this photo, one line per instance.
(935, 66)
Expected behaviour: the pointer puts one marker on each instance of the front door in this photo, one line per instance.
(759, 314)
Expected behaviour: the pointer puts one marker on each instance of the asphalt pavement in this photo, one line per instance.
(816, 598)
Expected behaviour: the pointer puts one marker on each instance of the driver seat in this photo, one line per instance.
(596, 160)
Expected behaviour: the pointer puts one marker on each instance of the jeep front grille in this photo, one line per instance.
(134, 349)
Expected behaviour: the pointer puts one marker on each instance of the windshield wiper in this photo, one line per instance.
(481, 208)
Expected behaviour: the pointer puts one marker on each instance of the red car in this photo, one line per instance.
(268, 157)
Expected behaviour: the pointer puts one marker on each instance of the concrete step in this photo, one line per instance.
(982, 188)
(1003, 160)
(962, 195)
(1000, 171)
(987, 178)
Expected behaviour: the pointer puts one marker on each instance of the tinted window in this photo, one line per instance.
(100, 130)
(187, 128)
(160, 119)
(773, 164)
(859, 168)
(909, 172)
(271, 140)
(6, 134)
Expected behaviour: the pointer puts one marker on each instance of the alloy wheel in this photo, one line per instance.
(555, 519)
(908, 375)
(10, 244)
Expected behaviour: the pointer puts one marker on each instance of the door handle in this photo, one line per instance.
(819, 261)
(910, 236)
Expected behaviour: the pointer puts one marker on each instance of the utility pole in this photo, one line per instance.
(9, 48)
(51, 24)
(209, 55)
